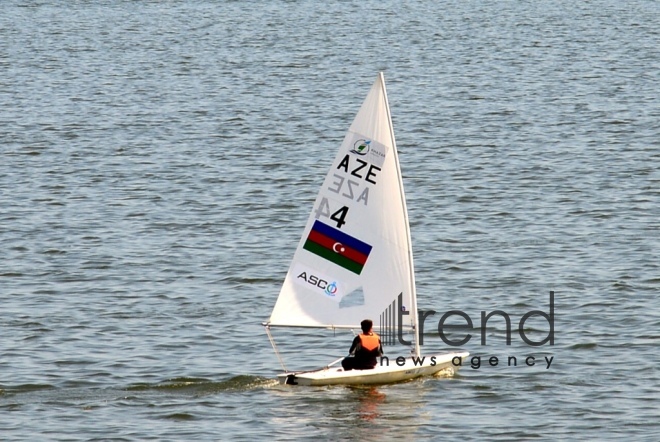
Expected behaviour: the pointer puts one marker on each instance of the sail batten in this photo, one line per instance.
(354, 257)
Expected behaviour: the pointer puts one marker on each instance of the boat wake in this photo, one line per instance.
(206, 386)
(20, 395)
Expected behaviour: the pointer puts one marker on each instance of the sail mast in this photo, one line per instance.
(413, 293)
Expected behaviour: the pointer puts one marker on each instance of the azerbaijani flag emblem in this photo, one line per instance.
(338, 247)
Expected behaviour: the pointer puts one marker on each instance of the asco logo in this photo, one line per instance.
(330, 289)
(324, 285)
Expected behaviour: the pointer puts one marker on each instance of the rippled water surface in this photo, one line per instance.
(158, 160)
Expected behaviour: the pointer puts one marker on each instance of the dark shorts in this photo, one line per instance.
(357, 364)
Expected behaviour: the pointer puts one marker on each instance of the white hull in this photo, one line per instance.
(380, 375)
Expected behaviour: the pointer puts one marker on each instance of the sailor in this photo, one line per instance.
(365, 350)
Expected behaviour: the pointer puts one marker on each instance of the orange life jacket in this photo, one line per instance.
(370, 342)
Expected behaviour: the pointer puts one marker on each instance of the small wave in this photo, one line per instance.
(54, 252)
(28, 388)
(585, 346)
(181, 417)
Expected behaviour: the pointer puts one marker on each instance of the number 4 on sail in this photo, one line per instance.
(357, 240)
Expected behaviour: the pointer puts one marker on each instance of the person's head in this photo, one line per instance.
(366, 325)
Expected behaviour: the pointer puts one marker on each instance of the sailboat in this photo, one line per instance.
(354, 260)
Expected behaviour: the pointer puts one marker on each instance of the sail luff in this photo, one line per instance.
(413, 290)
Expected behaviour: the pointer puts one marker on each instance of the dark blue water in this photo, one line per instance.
(158, 161)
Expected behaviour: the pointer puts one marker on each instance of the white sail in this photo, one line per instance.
(354, 258)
